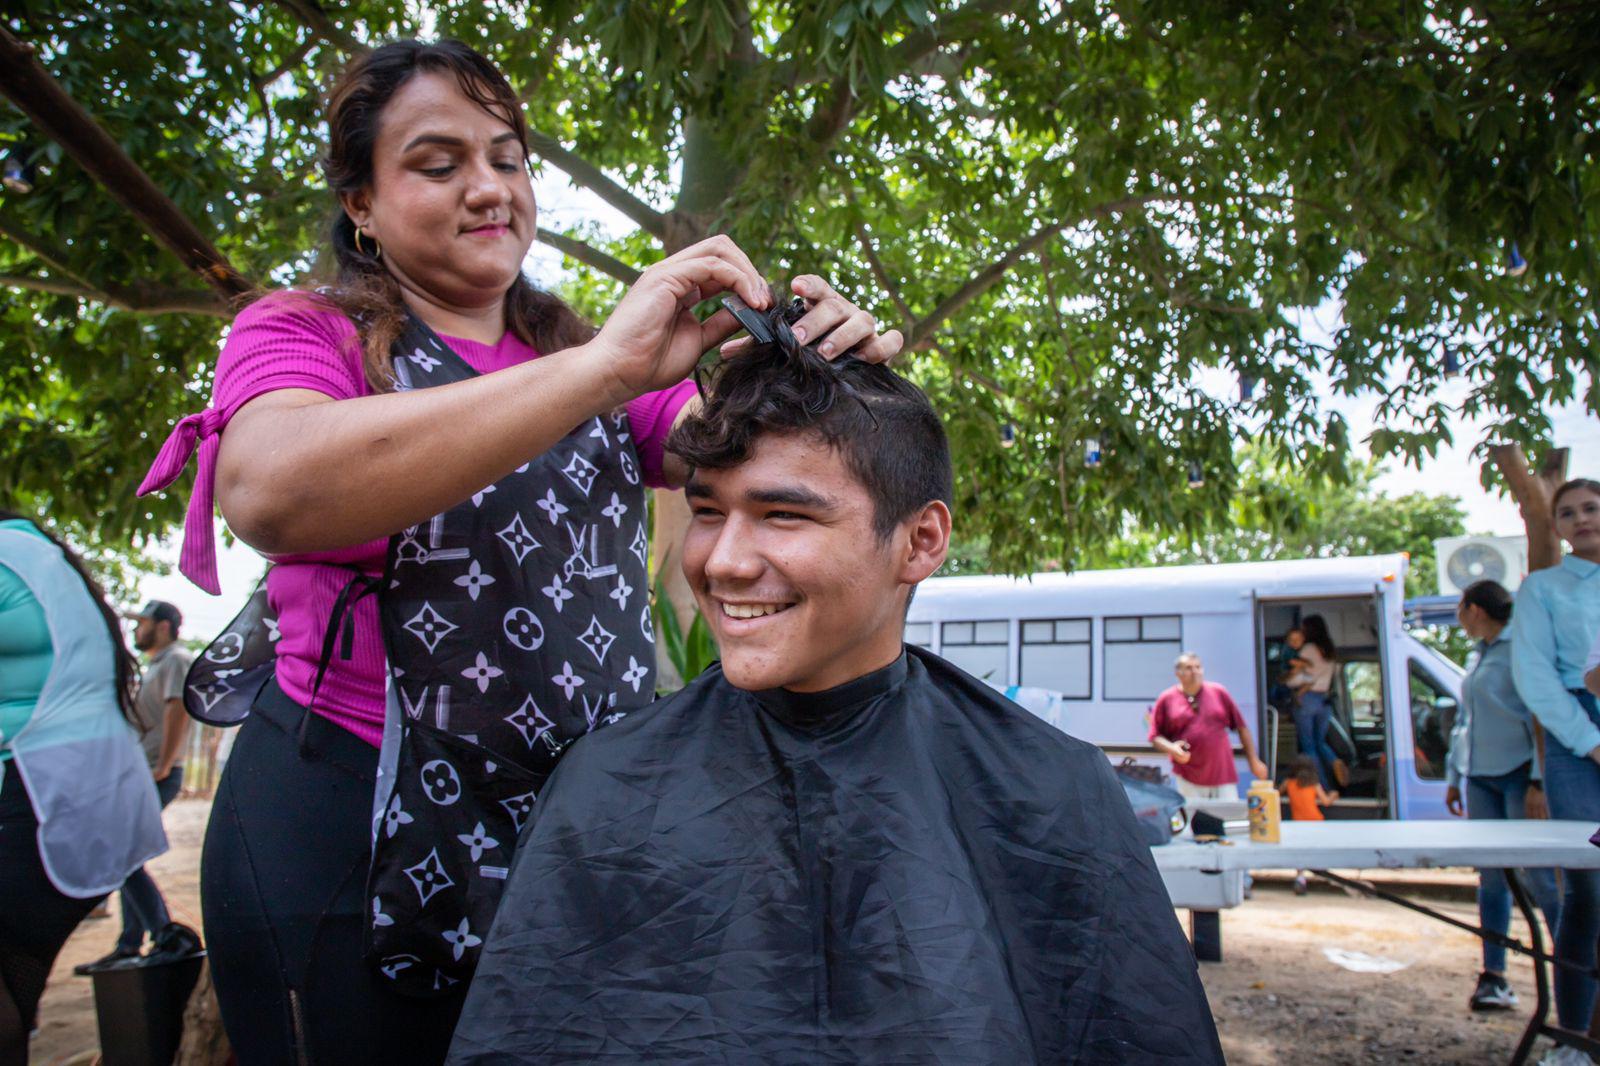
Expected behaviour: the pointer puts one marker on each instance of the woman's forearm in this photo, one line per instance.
(300, 472)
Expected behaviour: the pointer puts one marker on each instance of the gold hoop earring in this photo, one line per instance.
(377, 247)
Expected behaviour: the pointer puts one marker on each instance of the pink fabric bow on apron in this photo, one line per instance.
(198, 560)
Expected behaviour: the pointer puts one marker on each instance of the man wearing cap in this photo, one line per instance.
(164, 732)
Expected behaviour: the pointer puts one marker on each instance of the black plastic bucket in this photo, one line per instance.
(139, 1010)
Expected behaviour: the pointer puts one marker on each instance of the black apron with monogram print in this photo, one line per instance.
(514, 623)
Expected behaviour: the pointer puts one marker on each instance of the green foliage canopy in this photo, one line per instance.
(1077, 210)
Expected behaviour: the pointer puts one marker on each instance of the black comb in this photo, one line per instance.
(753, 321)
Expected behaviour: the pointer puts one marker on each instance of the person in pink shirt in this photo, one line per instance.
(448, 470)
(1190, 723)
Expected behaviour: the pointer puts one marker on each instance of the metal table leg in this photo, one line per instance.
(1205, 933)
(1539, 1025)
(1541, 970)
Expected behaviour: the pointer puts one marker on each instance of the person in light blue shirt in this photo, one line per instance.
(1556, 621)
(1495, 759)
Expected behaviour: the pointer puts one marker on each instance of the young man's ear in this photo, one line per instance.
(927, 544)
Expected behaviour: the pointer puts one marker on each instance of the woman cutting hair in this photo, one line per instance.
(448, 469)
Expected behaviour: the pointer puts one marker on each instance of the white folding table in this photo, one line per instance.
(1324, 846)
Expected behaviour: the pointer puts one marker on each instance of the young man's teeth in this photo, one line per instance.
(751, 610)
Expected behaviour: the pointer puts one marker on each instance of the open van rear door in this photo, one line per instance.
(1388, 687)
(1267, 720)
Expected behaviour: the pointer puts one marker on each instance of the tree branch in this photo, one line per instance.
(591, 177)
(59, 117)
(908, 320)
(139, 300)
(147, 298)
(1533, 493)
(921, 333)
(48, 254)
(832, 116)
(744, 43)
(290, 62)
(589, 255)
(311, 15)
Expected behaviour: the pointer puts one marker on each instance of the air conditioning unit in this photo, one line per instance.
(1463, 560)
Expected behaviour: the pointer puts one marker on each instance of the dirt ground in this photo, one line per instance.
(67, 1031)
(1276, 996)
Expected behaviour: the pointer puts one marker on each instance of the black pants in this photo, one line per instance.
(282, 889)
(144, 910)
(35, 919)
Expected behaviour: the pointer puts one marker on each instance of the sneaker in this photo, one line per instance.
(174, 941)
(1300, 885)
(1565, 1056)
(1492, 993)
(106, 961)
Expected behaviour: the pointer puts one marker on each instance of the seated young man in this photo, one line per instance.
(830, 848)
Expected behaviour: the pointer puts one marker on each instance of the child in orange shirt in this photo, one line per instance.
(1306, 800)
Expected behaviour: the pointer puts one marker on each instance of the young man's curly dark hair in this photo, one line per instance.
(881, 424)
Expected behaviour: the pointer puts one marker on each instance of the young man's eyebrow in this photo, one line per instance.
(793, 495)
(451, 142)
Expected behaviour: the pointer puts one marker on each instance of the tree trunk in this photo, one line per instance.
(671, 509)
(204, 1042)
(1534, 493)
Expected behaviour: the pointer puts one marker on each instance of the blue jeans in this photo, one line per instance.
(1572, 787)
(143, 909)
(1500, 797)
(1311, 717)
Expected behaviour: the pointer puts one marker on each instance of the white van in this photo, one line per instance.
(1102, 644)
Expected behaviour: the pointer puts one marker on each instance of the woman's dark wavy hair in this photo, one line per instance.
(125, 666)
(882, 425)
(1491, 597)
(362, 287)
(1315, 628)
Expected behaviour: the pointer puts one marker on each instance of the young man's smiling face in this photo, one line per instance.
(798, 587)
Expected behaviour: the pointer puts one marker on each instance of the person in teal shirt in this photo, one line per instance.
(38, 914)
(25, 652)
(1556, 620)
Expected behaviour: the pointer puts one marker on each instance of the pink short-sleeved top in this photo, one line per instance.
(290, 342)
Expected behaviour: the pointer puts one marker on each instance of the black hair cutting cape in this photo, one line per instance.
(905, 869)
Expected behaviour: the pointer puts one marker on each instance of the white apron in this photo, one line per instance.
(99, 816)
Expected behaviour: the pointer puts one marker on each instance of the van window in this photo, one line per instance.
(979, 648)
(1358, 733)
(1363, 682)
(1139, 654)
(1433, 715)
(920, 634)
(1055, 656)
